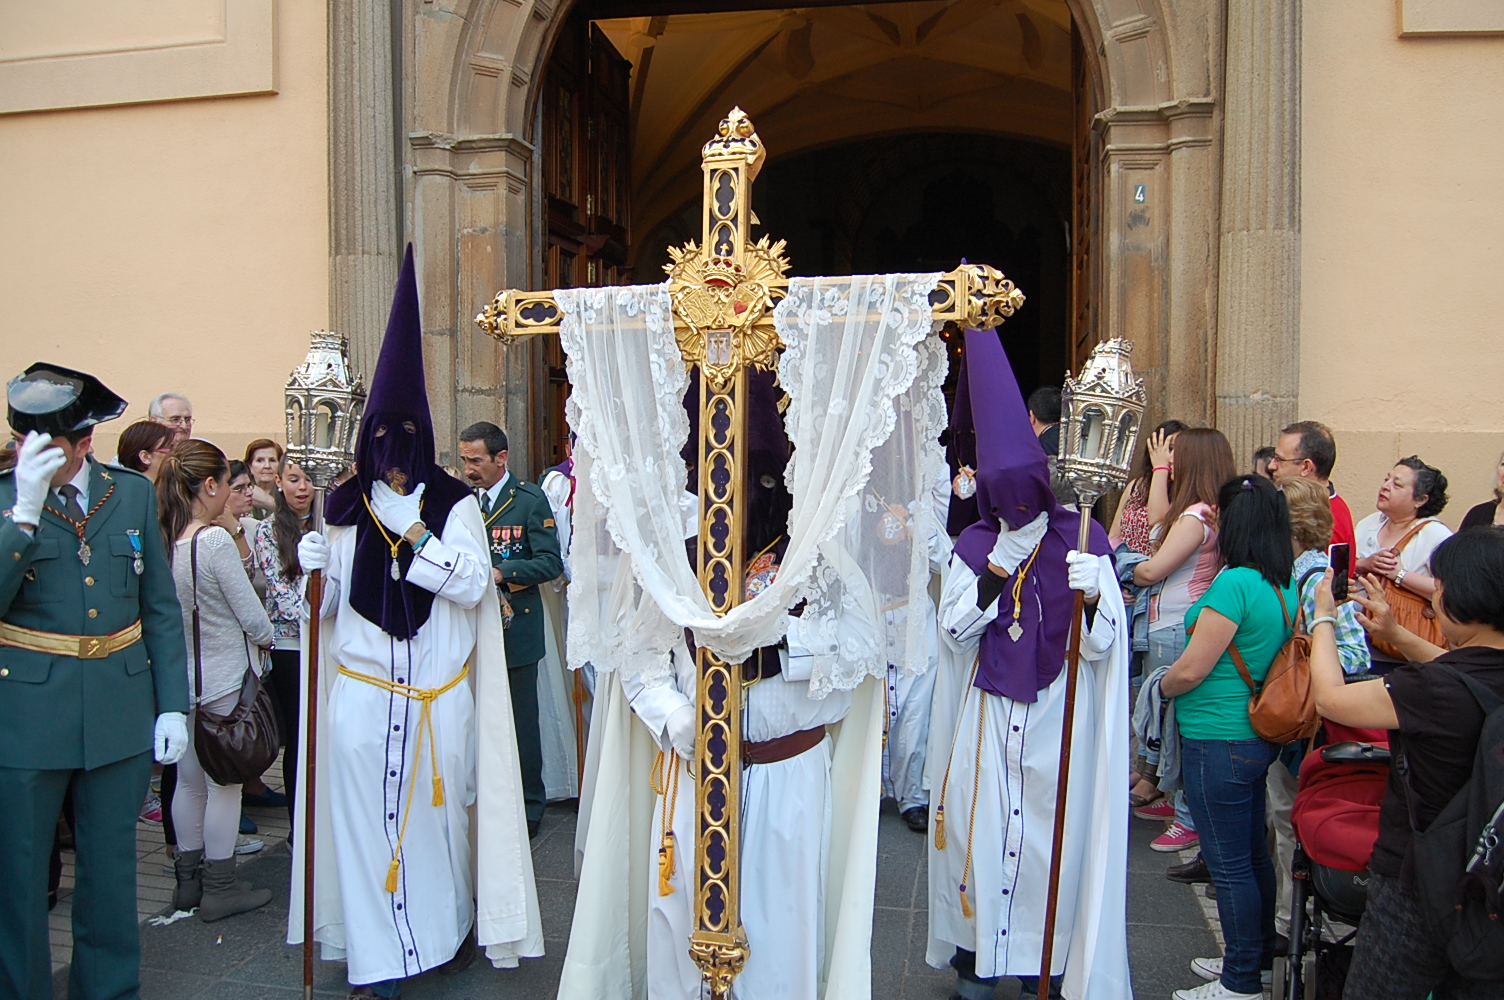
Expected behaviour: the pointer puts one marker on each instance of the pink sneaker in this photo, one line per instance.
(151, 809)
(1163, 809)
(1176, 838)
(1158, 809)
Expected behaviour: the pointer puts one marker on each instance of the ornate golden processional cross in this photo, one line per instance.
(723, 292)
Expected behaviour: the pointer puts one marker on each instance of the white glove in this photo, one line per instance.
(171, 738)
(395, 511)
(680, 729)
(1084, 573)
(314, 552)
(37, 461)
(1013, 547)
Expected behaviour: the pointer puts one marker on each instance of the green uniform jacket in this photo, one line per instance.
(60, 712)
(525, 547)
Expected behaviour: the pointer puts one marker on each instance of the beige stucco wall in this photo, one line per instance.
(175, 246)
(1402, 303)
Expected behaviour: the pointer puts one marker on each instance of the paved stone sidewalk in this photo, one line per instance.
(154, 883)
(244, 957)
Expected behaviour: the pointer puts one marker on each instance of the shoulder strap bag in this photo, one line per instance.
(1411, 611)
(240, 745)
(1283, 709)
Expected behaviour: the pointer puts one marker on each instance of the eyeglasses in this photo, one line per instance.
(248, 489)
(178, 421)
(1276, 460)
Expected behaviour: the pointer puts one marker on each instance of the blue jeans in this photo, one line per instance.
(1224, 786)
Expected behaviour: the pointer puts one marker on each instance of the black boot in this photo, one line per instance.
(188, 867)
(224, 896)
(918, 818)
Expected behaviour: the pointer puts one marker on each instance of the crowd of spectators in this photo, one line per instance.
(1224, 568)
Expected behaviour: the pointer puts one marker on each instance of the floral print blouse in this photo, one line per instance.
(284, 598)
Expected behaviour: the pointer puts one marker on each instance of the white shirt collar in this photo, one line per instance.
(494, 493)
(81, 481)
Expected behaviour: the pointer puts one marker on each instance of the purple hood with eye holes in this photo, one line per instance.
(1013, 487)
(388, 449)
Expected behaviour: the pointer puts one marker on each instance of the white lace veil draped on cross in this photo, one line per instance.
(865, 410)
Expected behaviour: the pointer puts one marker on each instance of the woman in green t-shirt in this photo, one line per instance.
(1250, 604)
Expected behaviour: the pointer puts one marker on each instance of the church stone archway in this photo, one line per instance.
(472, 70)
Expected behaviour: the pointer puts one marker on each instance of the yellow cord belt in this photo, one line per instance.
(667, 786)
(425, 725)
(940, 839)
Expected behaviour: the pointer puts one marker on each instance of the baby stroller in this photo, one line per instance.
(1336, 821)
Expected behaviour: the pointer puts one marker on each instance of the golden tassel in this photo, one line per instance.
(391, 876)
(438, 790)
(666, 865)
(965, 906)
(940, 827)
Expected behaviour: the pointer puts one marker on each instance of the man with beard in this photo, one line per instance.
(1007, 605)
(524, 553)
(412, 660)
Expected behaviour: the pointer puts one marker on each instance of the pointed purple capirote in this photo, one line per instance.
(1013, 488)
(395, 446)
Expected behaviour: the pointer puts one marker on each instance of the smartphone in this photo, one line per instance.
(1339, 555)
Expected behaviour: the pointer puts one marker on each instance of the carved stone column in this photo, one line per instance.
(365, 239)
(1258, 329)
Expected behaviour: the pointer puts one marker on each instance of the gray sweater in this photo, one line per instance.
(232, 620)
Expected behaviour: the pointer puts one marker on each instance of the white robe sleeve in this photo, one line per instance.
(653, 701)
(798, 660)
(960, 618)
(1096, 641)
(452, 566)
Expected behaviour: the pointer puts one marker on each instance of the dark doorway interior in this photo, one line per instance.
(923, 202)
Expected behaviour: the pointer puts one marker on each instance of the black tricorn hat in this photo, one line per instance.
(51, 399)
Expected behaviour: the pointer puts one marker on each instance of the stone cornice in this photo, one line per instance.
(500, 143)
(468, 157)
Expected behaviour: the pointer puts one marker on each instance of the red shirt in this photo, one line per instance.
(1342, 528)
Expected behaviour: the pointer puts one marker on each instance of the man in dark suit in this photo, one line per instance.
(524, 553)
(93, 679)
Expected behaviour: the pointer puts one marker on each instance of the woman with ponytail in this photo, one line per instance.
(193, 487)
(276, 552)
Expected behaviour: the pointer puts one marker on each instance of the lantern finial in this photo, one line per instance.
(325, 400)
(1102, 410)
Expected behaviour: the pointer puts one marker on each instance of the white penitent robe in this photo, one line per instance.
(1014, 768)
(906, 705)
(909, 694)
(557, 691)
(808, 846)
(369, 770)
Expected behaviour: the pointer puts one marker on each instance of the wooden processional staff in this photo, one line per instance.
(325, 402)
(723, 291)
(1102, 411)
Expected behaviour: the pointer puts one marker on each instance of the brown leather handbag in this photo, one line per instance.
(1283, 709)
(1411, 611)
(240, 745)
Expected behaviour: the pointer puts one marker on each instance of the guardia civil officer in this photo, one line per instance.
(93, 680)
(524, 553)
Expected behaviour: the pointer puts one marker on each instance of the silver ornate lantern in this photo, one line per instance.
(325, 401)
(1102, 411)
